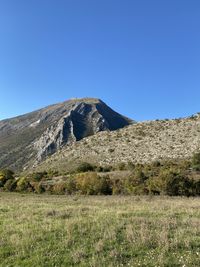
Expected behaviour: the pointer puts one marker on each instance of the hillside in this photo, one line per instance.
(61, 136)
(138, 143)
(28, 139)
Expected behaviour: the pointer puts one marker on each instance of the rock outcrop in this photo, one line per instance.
(30, 138)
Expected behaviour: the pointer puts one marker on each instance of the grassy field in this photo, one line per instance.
(45, 230)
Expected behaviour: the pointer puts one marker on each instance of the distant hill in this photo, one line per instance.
(28, 139)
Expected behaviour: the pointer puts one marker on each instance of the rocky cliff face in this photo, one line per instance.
(34, 136)
(82, 120)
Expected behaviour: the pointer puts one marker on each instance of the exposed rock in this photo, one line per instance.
(138, 143)
(78, 130)
(34, 136)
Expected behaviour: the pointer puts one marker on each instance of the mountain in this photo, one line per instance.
(142, 142)
(28, 139)
(61, 136)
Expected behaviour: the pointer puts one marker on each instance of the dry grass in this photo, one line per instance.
(42, 230)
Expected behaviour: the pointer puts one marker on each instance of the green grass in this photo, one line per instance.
(44, 230)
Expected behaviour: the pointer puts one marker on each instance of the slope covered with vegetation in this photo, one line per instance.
(142, 142)
(174, 178)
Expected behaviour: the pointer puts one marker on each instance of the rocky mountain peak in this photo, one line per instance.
(86, 117)
(36, 135)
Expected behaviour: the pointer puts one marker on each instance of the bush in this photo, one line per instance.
(179, 185)
(91, 184)
(2, 180)
(121, 166)
(156, 186)
(105, 185)
(70, 186)
(171, 182)
(118, 187)
(103, 168)
(24, 185)
(135, 184)
(170, 178)
(59, 188)
(52, 173)
(49, 188)
(10, 185)
(38, 187)
(38, 176)
(196, 188)
(196, 161)
(8, 174)
(5, 175)
(85, 167)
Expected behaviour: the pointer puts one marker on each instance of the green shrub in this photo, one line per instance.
(10, 185)
(121, 166)
(91, 184)
(103, 168)
(2, 180)
(171, 182)
(196, 161)
(38, 187)
(196, 188)
(23, 185)
(8, 174)
(70, 186)
(179, 185)
(105, 185)
(37, 176)
(5, 175)
(52, 173)
(48, 188)
(135, 183)
(59, 188)
(118, 187)
(169, 178)
(85, 167)
(136, 190)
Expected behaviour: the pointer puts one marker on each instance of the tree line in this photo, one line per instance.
(173, 178)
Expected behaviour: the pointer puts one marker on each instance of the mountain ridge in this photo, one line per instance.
(62, 135)
(40, 133)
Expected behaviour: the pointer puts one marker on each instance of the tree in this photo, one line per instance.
(23, 185)
(171, 182)
(5, 175)
(196, 161)
(10, 185)
(91, 184)
(179, 185)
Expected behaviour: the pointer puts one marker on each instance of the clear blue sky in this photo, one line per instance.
(142, 57)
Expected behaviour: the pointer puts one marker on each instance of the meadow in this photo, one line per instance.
(97, 231)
